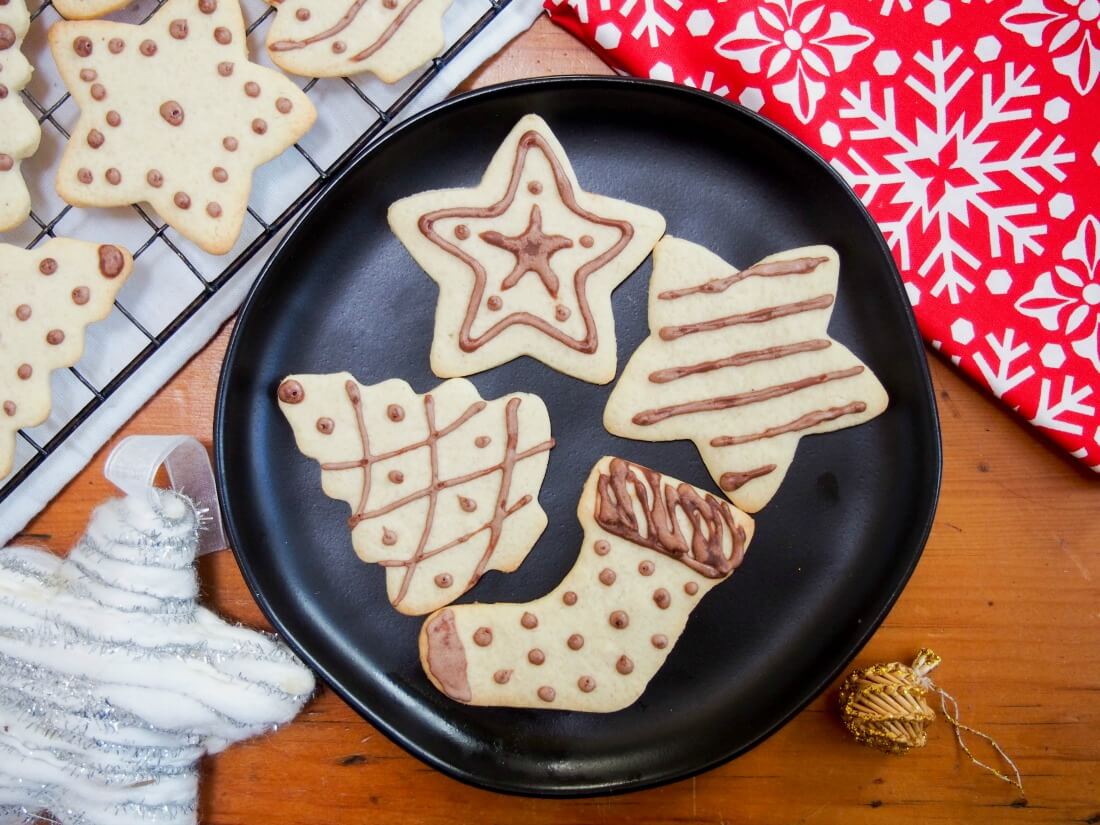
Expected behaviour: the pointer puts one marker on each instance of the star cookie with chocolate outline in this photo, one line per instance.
(172, 112)
(48, 295)
(323, 38)
(525, 261)
(20, 132)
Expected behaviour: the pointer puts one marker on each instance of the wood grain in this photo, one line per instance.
(1007, 592)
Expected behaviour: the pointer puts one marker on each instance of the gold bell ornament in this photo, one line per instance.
(885, 707)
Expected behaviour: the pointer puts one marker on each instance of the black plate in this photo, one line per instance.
(832, 550)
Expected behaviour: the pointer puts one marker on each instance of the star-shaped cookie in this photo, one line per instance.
(48, 295)
(340, 38)
(114, 681)
(19, 130)
(173, 113)
(525, 261)
(741, 363)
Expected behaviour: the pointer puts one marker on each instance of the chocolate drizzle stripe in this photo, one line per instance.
(343, 23)
(739, 359)
(711, 520)
(769, 269)
(654, 416)
(803, 422)
(757, 316)
(735, 481)
(436, 485)
(587, 344)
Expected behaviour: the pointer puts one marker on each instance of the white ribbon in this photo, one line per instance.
(132, 467)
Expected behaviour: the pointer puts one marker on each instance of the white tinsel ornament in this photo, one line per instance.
(114, 681)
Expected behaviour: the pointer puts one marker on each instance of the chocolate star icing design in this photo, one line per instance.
(532, 249)
(172, 112)
(528, 214)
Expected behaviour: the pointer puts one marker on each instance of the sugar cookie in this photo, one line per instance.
(20, 132)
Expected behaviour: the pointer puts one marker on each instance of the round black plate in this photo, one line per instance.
(832, 550)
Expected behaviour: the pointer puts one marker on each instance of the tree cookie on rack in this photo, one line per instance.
(443, 486)
(653, 548)
(740, 362)
(525, 261)
(173, 113)
(19, 130)
(341, 38)
(48, 295)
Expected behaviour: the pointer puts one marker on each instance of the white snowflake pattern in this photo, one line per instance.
(1070, 31)
(887, 7)
(795, 46)
(1051, 414)
(650, 22)
(1077, 293)
(581, 7)
(663, 71)
(1006, 352)
(951, 163)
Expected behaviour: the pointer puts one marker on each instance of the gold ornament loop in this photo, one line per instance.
(884, 706)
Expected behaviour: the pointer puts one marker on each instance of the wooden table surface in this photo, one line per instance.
(1008, 592)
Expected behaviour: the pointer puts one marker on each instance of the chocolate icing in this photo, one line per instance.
(111, 261)
(291, 392)
(533, 249)
(659, 502)
(343, 23)
(114, 177)
(447, 657)
(547, 693)
(739, 359)
(803, 422)
(47, 266)
(536, 656)
(619, 620)
(25, 371)
(757, 316)
(172, 112)
(7, 37)
(735, 481)
(529, 620)
(501, 509)
(466, 341)
(654, 416)
(795, 266)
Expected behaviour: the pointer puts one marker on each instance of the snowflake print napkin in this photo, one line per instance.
(968, 128)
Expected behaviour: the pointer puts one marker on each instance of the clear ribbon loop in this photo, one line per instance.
(132, 467)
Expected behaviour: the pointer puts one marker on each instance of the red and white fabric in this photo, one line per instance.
(970, 129)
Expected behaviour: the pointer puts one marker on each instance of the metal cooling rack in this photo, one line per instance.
(43, 226)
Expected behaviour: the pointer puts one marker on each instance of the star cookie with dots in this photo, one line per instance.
(20, 132)
(525, 261)
(172, 112)
(48, 295)
(341, 38)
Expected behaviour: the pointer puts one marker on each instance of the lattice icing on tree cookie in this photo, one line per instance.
(740, 362)
(525, 261)
(48, 295)
(653, 548)
(323, 38)
(172, 112)
(443, 486)
(19, 130)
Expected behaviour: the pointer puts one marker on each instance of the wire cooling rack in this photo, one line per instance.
(179, 278)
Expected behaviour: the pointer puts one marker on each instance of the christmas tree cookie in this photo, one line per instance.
(525, 261)
(48, 295)
(19, 130)
(173, 113)
(740, 362)
(443, 486)
(340, 38)
(653, 548)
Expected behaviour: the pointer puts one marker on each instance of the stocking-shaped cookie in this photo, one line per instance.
(740, 362)
(443, 486)
(653, 547)
(48, 295)
(19, 130)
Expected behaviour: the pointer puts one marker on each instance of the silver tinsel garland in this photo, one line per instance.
(113, 680)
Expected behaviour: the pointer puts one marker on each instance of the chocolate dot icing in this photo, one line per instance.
(291, 392)
(607, 576)
(501, 677)
(586, 684)
(154, 179)
(148, 48)
(114, 177)
(225, 68)
(208, 6)
(494, 302)
(619, 619)
(302, 14)
(219, 174)
(338, 47)
(9, 408)
(114, 119)
(575, 642)
(84, 175)
(252, 88)
(661, 598)
(482, 441)
(83, 46)
(47, 266)
(536, 656)
(483, 637)
(214, 209)
(25, 371)
(547, 693)
(659, 641)
(81, 295)
(325, 425)
(230, 143)
(55, 337)
(115, 45)
(444, 580)
(534, 187)
(283, 105)
(587, 241)
(6, 162)
(23, 312)
(645, 568)
(396, 476)
(569, 597)
(259, 126)
(602, 547)
(625, 666)
(98, 91)
(691, 588)
(529, 620)
(95, 138)
(395, 412)
(172, 112)
(182, 200)
(178, 29)
(88, 75)
(111, 261)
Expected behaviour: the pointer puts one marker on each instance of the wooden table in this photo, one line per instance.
(1008, 592)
